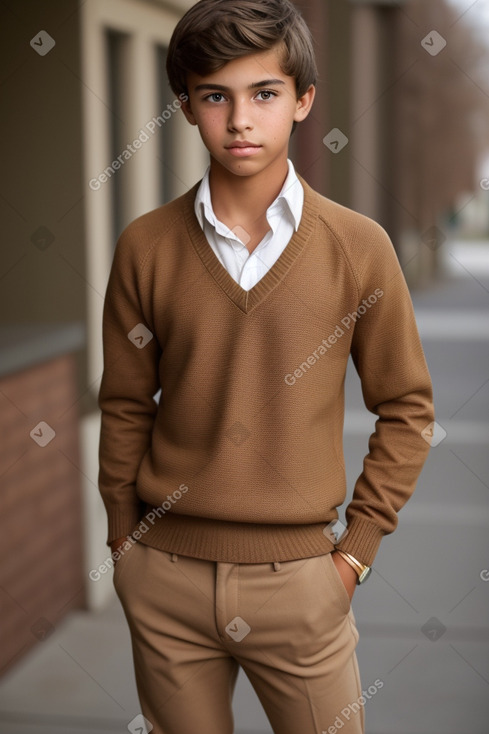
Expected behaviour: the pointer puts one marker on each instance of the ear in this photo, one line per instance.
(304, 104)
(187, 111)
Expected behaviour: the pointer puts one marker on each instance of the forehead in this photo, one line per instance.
(245, 71)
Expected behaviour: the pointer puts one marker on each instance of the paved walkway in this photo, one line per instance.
(423, 615)
(424, 626)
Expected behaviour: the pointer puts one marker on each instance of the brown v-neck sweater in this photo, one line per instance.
(241, 460)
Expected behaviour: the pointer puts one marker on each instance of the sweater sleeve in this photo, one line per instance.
(396, 386)
(129, 382)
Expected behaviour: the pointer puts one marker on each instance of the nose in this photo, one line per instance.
(240, 116)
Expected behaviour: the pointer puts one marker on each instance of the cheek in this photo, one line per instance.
(284, 116)
(281, 126)
(210, 125)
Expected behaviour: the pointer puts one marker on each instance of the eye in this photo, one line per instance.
(215, 97)
(266, 94)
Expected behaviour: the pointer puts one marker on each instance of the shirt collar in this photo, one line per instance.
(290, 199)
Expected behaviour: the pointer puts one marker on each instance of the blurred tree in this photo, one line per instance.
(441, 114)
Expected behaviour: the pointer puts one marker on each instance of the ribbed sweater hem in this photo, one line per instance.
(234, 542)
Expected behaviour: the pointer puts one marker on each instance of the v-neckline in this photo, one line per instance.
(248, 300)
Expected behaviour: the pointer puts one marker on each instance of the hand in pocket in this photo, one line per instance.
(346, 573)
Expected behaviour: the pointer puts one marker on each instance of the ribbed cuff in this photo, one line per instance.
(121, 520)
(362, 540)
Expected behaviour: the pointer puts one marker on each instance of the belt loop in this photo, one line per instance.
(174, 557)
(276, 565)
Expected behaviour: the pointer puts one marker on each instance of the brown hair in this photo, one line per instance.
(213, 32)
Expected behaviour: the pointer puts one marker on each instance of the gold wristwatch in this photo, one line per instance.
(362, 571)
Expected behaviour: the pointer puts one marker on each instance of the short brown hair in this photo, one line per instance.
(213, 32)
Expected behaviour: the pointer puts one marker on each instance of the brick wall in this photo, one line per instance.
(41, 567)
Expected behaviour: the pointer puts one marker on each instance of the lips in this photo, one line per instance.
(243, 148)
(243, 144)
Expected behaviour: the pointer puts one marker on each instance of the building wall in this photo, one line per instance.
(59, 117)
(43, 297)
(41, 523)
(42, 260)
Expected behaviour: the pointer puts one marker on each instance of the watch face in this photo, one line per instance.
(364, 575)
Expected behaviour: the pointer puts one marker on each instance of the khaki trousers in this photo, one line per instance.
(193, 622)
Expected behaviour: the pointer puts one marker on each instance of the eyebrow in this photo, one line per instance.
(255, 85)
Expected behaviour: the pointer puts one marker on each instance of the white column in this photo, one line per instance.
(139, 106)
(97, 201)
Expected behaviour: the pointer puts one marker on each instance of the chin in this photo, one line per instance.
(243, 170)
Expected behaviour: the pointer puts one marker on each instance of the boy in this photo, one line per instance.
(242, 301)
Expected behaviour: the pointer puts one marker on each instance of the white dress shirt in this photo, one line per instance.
(283, 215)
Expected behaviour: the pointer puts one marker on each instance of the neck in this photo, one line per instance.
(245, 198)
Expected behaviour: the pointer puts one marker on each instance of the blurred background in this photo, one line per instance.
(92, 138)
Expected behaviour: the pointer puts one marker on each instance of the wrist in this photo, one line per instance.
(348, 560)
(362, 571)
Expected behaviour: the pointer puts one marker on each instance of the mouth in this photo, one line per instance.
(242, 148)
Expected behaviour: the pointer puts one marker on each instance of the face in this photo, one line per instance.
(245, 112)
